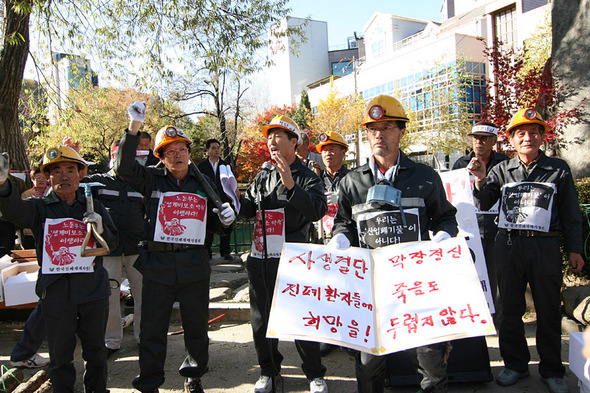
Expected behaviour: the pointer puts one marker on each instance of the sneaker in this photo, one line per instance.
(509, 377)
(318, 385)
(34, 361)
(193, 385)
(556, 385)
(263, 385)
(127, 320)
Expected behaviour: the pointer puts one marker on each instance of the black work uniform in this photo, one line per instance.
(171, 272)
(303, 204)
(421, 188)
(73, 304)
(533, 257)
(488, 230)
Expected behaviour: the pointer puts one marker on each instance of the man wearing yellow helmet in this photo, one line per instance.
(74, 303)
(389, 184)
(538, 200)
(174, 262)
(291, 197)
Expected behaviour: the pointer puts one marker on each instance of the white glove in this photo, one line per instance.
(4, 166)
(96, 219)
(227, 215)
(136, 111)
(440, 236)
(332, 198)
(339, 241)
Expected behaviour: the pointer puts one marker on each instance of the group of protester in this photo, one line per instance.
(299, 189)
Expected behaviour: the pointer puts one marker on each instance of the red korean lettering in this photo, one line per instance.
(292, 289)
(312, 321)
(468, 313)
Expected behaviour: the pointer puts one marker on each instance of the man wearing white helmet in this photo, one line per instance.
(74, 301)
(291, 198)
(174, 262)
(538, 200)
(403, 185)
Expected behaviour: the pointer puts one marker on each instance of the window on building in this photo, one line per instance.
(528, 5)
(505, 27)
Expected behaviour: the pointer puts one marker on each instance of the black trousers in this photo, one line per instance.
(262, 277)
(536, 260)
(430, 361)
(224, 243)
(64, 320)
(156, 308)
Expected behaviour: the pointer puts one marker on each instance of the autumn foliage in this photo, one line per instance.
(516, 85)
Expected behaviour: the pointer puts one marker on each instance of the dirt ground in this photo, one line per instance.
(233, 366)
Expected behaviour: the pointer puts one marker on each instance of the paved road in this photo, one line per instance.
(233, 369)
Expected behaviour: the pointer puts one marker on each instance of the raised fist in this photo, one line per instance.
(136, 111)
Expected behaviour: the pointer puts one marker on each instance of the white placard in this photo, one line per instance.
(458, 188)
(527, 206)
(274, 222)
(379, 301)
(182, 218)
(62, 244)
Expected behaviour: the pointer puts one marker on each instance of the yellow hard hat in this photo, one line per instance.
(331, 138)
(61, 154)
(167, 135)
(283, 122)
(526, 116)
(382, 108)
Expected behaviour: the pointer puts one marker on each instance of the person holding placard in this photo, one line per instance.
(74, 290)
(174, 261)
(538, 201)
(484, 136)
(290, 197)
(403, 198)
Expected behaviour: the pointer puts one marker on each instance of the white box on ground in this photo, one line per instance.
(577, 360)
(20, 288)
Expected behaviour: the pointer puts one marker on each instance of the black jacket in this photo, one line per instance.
(126, 208)
(32, 213)
(207, 170)
(565, 213)
(421, 188)
(165, 267)
(486, 222)
(303, 204)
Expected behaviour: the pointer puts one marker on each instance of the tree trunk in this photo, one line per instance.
(13, 58)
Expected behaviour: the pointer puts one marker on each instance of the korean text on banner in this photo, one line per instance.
(379, 301)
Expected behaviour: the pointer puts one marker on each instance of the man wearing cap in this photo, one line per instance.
(174, 262)
(291, 197)
(74, 297)
(484, 136)
(538, 200)
(424, 201)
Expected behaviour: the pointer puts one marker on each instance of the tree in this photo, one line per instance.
(441, 116)
(152, 44)
(519, 83)
(303, 113)
(13, 56)
(97, 117)
(341, 114)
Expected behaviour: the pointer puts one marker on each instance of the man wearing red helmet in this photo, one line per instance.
(538, 200)
(174, 261)
(405, 186)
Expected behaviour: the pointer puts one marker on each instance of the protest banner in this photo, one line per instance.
(458, 186)
(181, 218)
(379, 301)
(62, 245)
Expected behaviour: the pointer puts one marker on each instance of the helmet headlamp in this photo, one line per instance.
(53, 154)
(530, 114)
(171, 132)
(376, 112)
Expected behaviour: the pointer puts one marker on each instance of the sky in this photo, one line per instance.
(344, 17)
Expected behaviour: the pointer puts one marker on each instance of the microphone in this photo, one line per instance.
(266, 168)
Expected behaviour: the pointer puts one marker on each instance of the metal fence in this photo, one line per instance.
(241, 236)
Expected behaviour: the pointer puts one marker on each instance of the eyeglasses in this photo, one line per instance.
(173, 153)
(373, 131)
